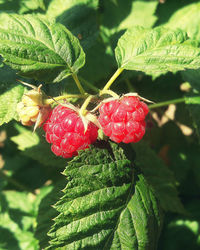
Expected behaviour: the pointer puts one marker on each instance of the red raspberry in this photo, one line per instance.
(123, 119)
(65, 130)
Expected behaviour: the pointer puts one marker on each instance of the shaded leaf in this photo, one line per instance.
(193, 104)
(31, 6)
(10, 96)
(186, 233)
(39, 49)
(159, 177)
(46, 213)
(80, 17)
(125, 15)
(21, 6)
(16, 220)
(35, 146)
(192, 76)
(187, 18)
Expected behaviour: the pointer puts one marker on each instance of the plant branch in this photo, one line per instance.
(113, 78)
(85, 104)
(162, 104)
(108, 92)
(62, 97)
(81, 89)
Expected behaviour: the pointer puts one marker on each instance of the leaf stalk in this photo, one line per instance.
(81, 89)
(113, 78)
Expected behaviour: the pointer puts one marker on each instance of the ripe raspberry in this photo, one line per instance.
(65, 130)
(123, 119)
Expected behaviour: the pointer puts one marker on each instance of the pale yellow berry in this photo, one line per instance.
(34, 119)
(20, 106)
(28, 101)
(25, 118)
(32, 111)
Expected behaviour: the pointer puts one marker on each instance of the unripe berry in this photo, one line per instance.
(123, 120)
(31, 109)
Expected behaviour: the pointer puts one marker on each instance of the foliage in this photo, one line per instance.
(110, 196)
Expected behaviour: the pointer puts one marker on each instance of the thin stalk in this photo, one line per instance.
(81, 89)
(85, 104)
(89, 85)
(108, 92)
(162, 104)
(62, 97)
(113, 78)
(14, 182)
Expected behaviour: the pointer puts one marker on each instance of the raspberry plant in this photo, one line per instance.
(86, 162)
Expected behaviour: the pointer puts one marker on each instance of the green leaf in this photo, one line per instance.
(193, 104)
(128, 14)
(192, 76)
(31, 6)
(46, 213)
(34, 146)
(39, 49)
(10, 96)
(187, 18)
(186, 233)
(156, 51)
(16, 221)
(21, 6)
(159, 177)
(125, 15)
(104, 205)
(79, 16)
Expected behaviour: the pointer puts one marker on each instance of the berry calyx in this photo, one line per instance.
(123, 120)
(66, 131)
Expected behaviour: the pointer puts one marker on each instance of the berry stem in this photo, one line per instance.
(62, 97)
(113, 78)
(89, 85)
(109, 92)
(162, 104)
(81, 89)
(85, 104)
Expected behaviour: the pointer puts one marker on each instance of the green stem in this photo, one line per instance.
(89, 85)
(162, 104)
(75, 77)
(113, 78)
(85, 104)
(62, 97)
(108, 92)
(12, 181)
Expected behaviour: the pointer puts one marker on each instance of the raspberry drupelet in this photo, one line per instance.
(123, 120)
(66, 132)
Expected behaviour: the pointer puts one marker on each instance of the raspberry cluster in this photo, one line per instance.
(123, 119)
(70, 129)
(66, 132)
